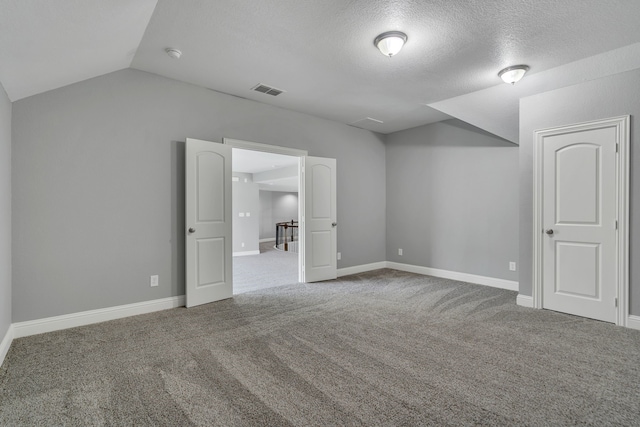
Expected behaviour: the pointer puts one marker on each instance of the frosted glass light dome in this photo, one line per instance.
(391, 42)
(513, 74)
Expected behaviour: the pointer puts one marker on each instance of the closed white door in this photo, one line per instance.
(208, 222)
(319, 217)
(579, 216)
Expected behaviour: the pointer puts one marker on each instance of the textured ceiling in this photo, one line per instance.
(320, 52)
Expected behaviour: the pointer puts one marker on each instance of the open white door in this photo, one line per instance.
(319, 219)
(208, 222)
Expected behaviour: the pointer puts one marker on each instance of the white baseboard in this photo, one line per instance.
(268, 239)
(245, 253)
(361, 268)
(50, 324)
(633, 322)
(6, 343)
(454, 275)
(524, 301)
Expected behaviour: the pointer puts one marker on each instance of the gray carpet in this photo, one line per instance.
(269, 269)
(383, 348)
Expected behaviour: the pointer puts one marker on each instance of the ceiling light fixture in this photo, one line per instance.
(390, 42)
(173, 53)
(513, 74)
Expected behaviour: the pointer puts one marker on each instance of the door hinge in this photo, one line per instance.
(616, 224)
(616, 301)
(617, 146)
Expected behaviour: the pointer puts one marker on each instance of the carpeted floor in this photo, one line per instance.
(269, 269)
(382, 348)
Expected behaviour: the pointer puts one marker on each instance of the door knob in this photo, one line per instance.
(333, 224)
(192, 230)
(549, 232)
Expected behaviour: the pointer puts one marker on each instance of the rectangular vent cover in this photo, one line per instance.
(267, 89)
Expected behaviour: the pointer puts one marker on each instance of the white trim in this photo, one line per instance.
(361, 268)
(245, 253)
(257, 146)
(50, 324)
(5, 344)
(622, 124)
(633, 322)
(454, 275)
(524, 301)
(268, 239)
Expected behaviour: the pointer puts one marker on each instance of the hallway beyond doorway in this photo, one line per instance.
(269, 269)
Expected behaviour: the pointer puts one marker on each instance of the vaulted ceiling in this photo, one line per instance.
(321, 53)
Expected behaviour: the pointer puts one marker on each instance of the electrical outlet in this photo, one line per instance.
(243, 244)
(153, 281)
(248, 214)
(339, 256)
(512, 266)
(400, 251)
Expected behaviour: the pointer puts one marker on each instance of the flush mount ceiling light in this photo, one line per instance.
(513, 74)
(390, 42)
(173, 53)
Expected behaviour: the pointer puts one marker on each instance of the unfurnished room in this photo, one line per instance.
(313, 213)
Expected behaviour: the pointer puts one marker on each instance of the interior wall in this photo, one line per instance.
(276, 206)
(285, 206)
(607, 97)
(99, 186)
(246, 202)
(267, 226)
(452, 199)
(5, 213)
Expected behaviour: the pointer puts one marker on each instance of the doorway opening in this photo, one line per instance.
(209, 217)
(265, 189)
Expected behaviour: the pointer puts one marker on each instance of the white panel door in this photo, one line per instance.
(579, 223)
(208, 222)
(319, 216)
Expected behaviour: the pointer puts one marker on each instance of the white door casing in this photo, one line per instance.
(319, 218)
(276, 149)
(208, 223)
(580, 225)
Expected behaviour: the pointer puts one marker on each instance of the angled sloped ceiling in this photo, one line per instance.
(496, 109)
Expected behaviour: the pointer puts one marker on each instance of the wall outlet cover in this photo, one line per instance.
(153, 281)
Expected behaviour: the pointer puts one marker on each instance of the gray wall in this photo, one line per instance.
(285, 206)
(5, 213)
(611, 96)
(245, 200)
(267, 226)
(452, 199)
(98, 184)
(276, 206)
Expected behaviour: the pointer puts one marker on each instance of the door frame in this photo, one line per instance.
(294, 152)
(622, 125)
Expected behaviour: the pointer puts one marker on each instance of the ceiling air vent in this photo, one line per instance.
(267, 89)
